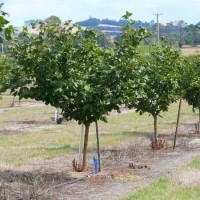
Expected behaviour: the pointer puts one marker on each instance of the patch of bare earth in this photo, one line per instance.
(15, 127)
(117, 179)
(55, 179)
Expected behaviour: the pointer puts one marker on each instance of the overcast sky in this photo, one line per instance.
(77, 10)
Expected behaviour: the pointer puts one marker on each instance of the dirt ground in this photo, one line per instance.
(125, 168)
(55, 180)
(117, 179)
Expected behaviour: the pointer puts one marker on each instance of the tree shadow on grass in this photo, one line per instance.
(181, 124)
(129, 133)
(48, 148)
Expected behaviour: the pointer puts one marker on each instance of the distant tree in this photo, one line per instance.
(104, 40)
(91, 22)
(182, 27)
(169, 30)
(53, 19)
(191, 35)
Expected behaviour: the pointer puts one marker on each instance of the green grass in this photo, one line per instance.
(7, 100)
(50, 141)
(195, 163)
(165, 189)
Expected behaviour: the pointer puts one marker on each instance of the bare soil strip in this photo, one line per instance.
(116, 180)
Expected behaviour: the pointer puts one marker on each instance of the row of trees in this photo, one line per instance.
(64, 66)
(179, 32)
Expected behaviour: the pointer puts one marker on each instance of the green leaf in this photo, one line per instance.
(127, 15)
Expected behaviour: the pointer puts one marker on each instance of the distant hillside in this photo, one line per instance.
(176, 33)
(112, 27)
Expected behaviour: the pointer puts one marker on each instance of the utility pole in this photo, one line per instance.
(158, 30)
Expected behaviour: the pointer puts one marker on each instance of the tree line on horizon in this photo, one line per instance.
(177, 33)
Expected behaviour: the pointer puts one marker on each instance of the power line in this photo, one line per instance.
(158, 28)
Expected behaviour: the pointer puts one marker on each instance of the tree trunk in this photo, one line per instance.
(84, 163)
(155, 127)
(177, 123)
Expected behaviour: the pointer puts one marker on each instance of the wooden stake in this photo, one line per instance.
(177, 123)
(81, 145)
(98, 149)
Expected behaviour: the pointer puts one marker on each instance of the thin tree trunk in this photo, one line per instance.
(155, 128)
(98, 149)
(84, 163)
(177, 123)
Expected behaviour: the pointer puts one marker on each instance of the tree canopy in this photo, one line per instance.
(157, 83)
(191, 81)
(65, 67)
(5, 30)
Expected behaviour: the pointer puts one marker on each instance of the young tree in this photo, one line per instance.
(155, 88)
(64, 67)
(191, 82)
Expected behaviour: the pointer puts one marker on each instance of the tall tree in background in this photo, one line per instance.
(52, 19)
(181, 25)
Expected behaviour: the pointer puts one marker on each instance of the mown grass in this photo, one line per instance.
(7, 100)
(165, 189)
(195, 163)
(53, 140)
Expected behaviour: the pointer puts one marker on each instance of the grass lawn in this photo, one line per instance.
(55, 140)
(165, 189)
